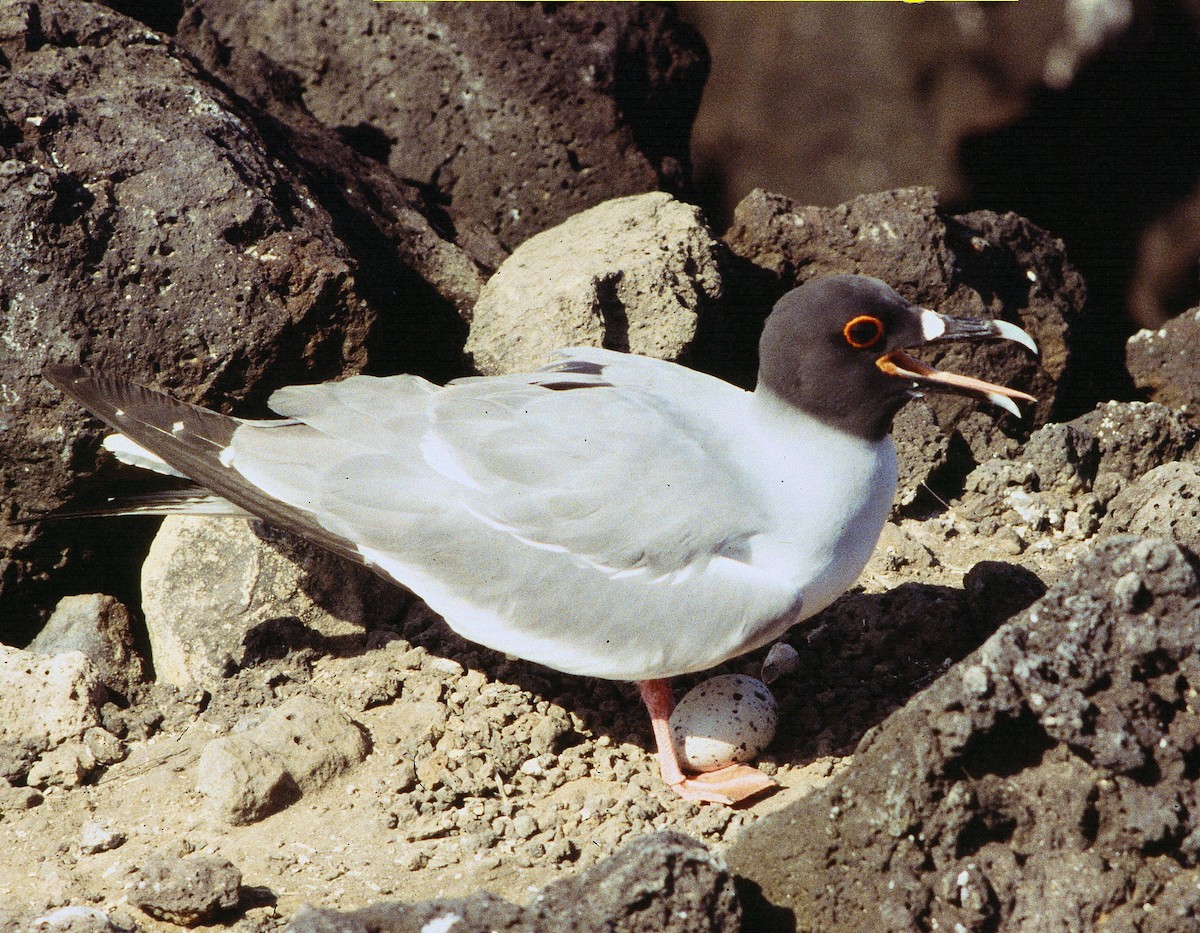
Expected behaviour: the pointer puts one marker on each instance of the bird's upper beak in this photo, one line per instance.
(940, 328)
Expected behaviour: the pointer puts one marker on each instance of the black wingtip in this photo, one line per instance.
(64, 375)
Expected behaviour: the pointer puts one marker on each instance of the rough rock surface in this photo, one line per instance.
(1162, 362)
(1041, 783)
(44, 703)
(636, 274)
(207, 585)
(101, 628)
(1133, 437)
(400, 239)
(663, 882)
(144, 226)
(298, 747)
(1166, 501)
(925, 454)
(243, 781)
(514, 121)
(186, 891)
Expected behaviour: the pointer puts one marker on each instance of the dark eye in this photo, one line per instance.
(863, 331)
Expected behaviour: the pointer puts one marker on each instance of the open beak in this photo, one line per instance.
(940, 328)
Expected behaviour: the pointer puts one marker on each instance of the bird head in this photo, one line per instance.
(835, 348)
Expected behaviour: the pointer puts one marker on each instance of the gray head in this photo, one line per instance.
(834, 348)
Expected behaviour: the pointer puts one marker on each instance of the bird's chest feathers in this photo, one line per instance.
(828, 492)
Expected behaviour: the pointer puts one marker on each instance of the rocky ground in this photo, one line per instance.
(211, 724)
(417, 765)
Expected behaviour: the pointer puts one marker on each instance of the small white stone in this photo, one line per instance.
(722, 721)
(781, 660)
(94, 838)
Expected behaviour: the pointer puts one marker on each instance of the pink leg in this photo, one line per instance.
(727, 785)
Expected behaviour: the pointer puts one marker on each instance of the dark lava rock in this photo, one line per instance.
(1133, 437)
(1166, 501)
(401, 240)
(512, 116)
(1045, 782)
(101, 628)
(864, 652)
(144, 228)
(666, 882)
(924, 451)
(186, 890)
(1163, 362)
(1063, 457)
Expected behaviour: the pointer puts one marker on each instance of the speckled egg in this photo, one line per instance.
(724, 720)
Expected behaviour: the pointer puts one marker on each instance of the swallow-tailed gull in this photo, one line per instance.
(609, 515)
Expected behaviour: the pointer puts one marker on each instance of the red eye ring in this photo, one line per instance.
(863, 331)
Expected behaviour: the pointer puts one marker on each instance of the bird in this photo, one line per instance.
(607, 515)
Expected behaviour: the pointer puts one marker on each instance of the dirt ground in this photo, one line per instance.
(456, 796)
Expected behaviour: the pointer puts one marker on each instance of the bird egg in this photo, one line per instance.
(722, 721)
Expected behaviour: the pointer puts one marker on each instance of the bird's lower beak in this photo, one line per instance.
(940, 328)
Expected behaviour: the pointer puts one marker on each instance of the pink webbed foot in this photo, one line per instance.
(729, 785)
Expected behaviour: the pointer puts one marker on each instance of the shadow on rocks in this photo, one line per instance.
(1048, 780)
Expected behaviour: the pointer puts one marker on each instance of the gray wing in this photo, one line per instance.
(625, 475)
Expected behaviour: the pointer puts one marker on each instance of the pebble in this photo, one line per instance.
(94, 838)
(780, 661)
(186, 891)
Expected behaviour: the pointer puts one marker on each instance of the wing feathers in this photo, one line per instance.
(191, 440)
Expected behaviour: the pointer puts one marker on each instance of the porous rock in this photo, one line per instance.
(242, 781)
(923, 452)
(977, 265)
(1166, 501)
(1046, 781)
(664, 882)
(208, 584)
(1063, 457)
(99, 627)
(514, 120)
(1134, 437)
(1068, 473)
(300, 746)
(44, 702)
(633, 274)
(314, 740)
(145, 228)
(1162, 362)
(186, 890)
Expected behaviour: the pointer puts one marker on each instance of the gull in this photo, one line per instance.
(609, 515)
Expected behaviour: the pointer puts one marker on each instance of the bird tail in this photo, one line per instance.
(187, 500)
(190, 441)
